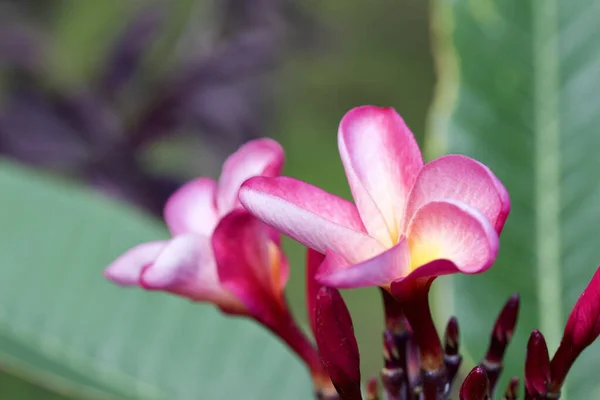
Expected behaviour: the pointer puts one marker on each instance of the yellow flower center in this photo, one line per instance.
(423, 252)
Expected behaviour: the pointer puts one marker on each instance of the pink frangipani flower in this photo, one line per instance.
(200, 216)
(409, 220)
(222, 254)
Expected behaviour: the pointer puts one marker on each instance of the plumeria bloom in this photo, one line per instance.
(408, 219)
(220, 253)
(200, 217)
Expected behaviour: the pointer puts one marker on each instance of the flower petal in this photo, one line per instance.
(250, 265)
(192, 208)
(126, 269)
(380, 270)
(260, 157)
(313, 217)
(432, 269)
(460, 178)
(382, 160)
(452, 231)
(186, 267)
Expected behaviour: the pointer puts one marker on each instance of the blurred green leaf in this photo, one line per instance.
(62, 324)
(12, 387)
(523, 79)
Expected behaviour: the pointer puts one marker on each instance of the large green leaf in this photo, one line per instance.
(63, 325)
(519, 81)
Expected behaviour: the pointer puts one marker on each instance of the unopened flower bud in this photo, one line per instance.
(451, 346)
(475, 385)
(372, 389)
(451, 339)
(337, 344)
(512, 389)
(503, 330)
(500, 338)
(537, 365)
(583, 327)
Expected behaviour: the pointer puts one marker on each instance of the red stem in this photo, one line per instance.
(415, 303)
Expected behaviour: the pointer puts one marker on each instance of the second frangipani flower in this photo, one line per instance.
(408, 220)
(211, 229)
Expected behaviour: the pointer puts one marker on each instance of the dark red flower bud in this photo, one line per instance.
(451, 346)
(503, 330)
(475, 385)
(537, 365)
(499, 340)
(372, 389)
(511, 390)
(583, 327)
(451, 339)
(337, 344)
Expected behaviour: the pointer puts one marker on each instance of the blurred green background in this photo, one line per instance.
(376, 53)
(515, 88)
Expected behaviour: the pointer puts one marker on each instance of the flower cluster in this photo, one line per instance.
(410, 223)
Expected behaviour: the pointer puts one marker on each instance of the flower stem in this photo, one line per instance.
(395, 374)
(414, 299)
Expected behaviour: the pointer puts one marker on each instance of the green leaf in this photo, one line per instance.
(12, 387)
(63, 325)
(518, 91)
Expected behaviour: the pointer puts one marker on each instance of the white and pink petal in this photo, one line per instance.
(382, 160)
(126, 269)
(192, 208)
(380, 270)
(454, 231)
(260, 157)
(460, 178)
(186, 267)
(313, 217)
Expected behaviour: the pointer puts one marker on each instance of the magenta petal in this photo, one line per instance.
(432, 269)
(382, 160)
(460, 178)
(250, 265)
(313, 217)
(126, 269)
(313, 262)
(260, 157)
(380, 270)
(337, 344)
(192, 208)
